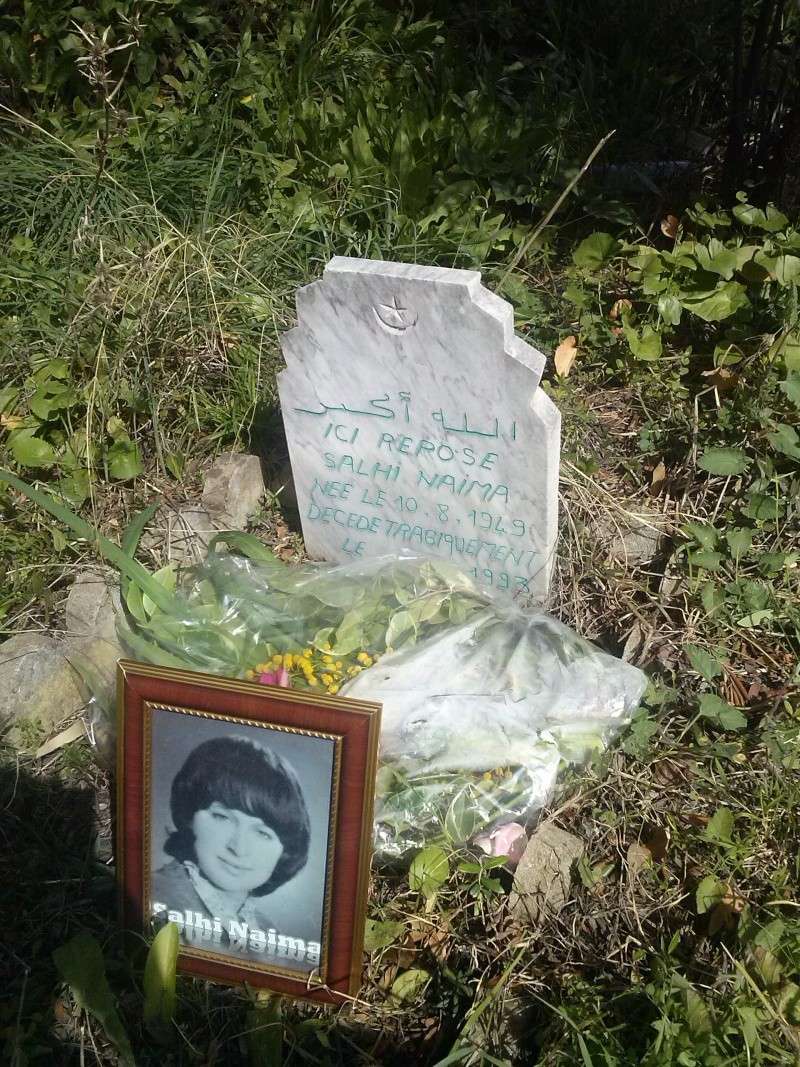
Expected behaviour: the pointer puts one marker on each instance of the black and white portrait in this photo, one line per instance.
(239, 838)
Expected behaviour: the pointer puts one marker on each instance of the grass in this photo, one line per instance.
(159, 263)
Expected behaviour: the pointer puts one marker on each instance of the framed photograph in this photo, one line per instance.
(244, 816)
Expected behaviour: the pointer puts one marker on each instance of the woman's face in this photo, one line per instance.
(236, 852)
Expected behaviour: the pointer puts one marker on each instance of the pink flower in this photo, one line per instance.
(508, 840)
(279, 677)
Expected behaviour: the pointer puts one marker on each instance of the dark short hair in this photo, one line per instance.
(247, 776)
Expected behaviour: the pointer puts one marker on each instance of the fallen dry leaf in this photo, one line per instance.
(619, 307)
(669, 226)
(658, 842)
(12, 422)
(566, 354)
(638, 856)
(657, 478)
(722, 378)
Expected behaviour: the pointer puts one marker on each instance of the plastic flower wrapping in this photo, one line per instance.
(483, 701)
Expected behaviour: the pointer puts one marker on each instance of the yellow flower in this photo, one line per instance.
(261, 667)
(328, 660)
(307, 653)
(353, 670)
(333, 688)
(338, 665)
(249, 674)
(313, 681)
(327, 679)
(365, 658)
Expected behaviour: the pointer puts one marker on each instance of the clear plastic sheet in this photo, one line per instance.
(483, 701)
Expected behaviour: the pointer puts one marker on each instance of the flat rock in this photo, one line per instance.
(543, 877)
(37, 682)
(632, 539)
(92, 605)
(181, 535)
(233, 489)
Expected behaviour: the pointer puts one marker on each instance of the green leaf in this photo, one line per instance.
(428, 871)
(716, 258)
(720, 826)
(787, 270)
(378, 935)
(123, 461)
(708, 894)
(595, 250)
(409, 984)
(791, 388)
(669, 308)
(785, 440)
(763, 508)
(706, 666)
(74, 487)
(127, 566)
(712, 598)
(755, 618)
(714, 305)
(645, 346)
(637, 741)
(706, 536)
(462, 818)
(30, 451)
(721, 713)
(401, 628)
(265, 1034)
(740, 540)
(80, 964)
(786, 346)
(709, 561)
(770, 220)
(160, 971)
(724, 461)
(698, 1016)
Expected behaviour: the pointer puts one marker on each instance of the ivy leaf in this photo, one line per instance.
(704, 535)
(714, 305)
(791, 388)
(80, 964)
(428, 871)
(740, 540)
(645, 346)
(721, 713)
(123, 460)
(770, 220)
(706, 666)
(30, 451)
(697, 1014)
(708, 894)
(787, 270)
(378, 935)
(595, 250)
(709, 561)
(724, 461)
(409, 984)
(785, 440)
(720, 826)
(670, 310)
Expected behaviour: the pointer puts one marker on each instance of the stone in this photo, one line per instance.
(416, 425)
(633, 539)
(181, 535)
(36, 681)
(544, 874)
(233, 490)
(92, 605)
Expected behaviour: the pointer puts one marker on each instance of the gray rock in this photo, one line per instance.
(632, 539)
(92, 605)
(233, 489)
(181, 535)
(36, 681)
(543, 877)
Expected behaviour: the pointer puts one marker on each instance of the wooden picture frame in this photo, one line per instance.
(239, 801)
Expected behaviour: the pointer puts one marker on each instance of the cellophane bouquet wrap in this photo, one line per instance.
(483, 701)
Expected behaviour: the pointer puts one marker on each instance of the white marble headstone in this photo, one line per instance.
(416, 425)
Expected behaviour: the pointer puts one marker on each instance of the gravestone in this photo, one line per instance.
(416, 425)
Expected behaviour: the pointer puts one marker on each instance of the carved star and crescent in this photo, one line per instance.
(395, 317)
